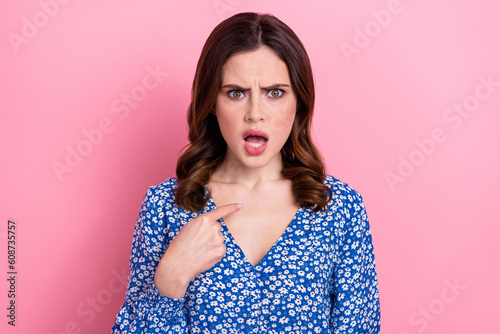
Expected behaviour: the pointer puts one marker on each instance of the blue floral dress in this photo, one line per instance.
(319, 276)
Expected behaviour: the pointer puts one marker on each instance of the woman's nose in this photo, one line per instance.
(254, 110)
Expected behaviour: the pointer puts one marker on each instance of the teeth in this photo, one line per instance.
(255, 145)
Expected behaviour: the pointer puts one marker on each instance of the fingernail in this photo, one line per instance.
(239, 206)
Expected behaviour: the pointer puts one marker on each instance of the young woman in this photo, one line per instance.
(251, 236)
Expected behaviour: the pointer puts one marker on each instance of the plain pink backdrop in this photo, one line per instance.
(391, 77)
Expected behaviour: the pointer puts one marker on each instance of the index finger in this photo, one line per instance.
(222, 211)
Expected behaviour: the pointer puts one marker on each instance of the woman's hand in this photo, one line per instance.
(196, 248)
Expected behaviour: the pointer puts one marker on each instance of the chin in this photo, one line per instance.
(257, 161)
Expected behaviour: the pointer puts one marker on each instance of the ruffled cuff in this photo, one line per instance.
(161, 310)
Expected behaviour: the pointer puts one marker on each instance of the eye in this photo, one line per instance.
(235, 94)
(275, 93)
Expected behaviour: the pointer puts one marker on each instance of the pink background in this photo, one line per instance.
(388, 76)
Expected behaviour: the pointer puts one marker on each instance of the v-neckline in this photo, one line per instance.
(230, 237)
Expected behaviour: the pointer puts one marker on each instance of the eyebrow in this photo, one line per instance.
(237, 87)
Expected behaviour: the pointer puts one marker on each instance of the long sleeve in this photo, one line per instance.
(144, 309)
(354, 290)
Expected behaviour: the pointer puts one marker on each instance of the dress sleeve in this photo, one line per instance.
(354, 290)
(144, 309)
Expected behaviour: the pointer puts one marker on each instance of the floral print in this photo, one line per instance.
(319, 276)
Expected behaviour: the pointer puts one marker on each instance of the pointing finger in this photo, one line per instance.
(223, 211)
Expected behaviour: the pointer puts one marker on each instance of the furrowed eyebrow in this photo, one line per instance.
(236, 87)
(279, 85)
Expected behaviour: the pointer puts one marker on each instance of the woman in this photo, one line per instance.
(251, 236)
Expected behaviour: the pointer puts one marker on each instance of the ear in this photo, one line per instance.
(213, 111)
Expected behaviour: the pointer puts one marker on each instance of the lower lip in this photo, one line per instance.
(255, 151)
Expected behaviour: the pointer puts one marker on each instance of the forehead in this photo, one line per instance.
(262, 64)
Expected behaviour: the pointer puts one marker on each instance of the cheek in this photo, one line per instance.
(227, 122)
(283, 120)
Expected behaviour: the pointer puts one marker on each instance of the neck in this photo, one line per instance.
(233, 171)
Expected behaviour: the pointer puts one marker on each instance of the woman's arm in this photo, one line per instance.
(144, 309)
(354, 290)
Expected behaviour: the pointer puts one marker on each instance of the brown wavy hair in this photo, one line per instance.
(302, 162)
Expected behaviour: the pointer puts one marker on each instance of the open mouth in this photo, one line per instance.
(255, 141)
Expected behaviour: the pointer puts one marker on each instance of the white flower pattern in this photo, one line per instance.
(319, 276)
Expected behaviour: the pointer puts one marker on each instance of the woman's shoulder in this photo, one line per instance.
(341, 191)
(168, 185)
(161, 199)
(163, 191)
(346, 205)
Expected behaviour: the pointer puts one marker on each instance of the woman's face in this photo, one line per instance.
(255, 107)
